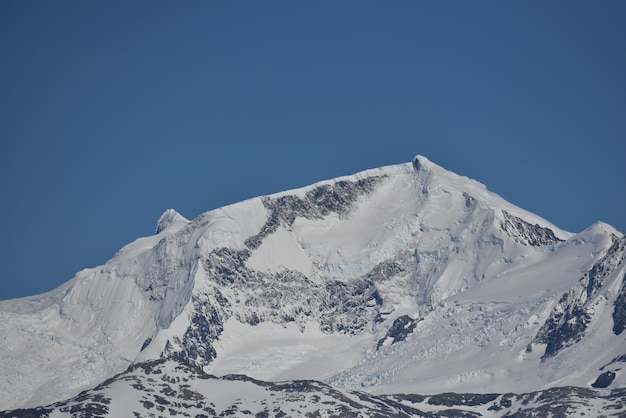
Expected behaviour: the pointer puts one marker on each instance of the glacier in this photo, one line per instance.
(402, 279)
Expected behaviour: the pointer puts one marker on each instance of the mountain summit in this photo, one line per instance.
(402, 279)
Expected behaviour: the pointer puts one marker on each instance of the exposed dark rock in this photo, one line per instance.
(226, 266)
(400, 329)
(387, 269)
(95, 405)
(413, 398)
(565, 326)
(417, 165)
(146, 343)
(207, 323)
(604, 380)
(457, 399)
(619, 310)
(27, 413)
(526, 233)
(318, 202)
(605, 266)
(568, 321)
(618, 359)
(562, 402)
(348, 307)
(470, 201)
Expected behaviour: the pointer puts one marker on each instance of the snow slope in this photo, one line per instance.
(402, 279)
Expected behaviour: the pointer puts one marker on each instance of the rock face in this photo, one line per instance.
(400, 329)
(525, 233)
(619, 309)
(604, 380)
(570, 318)
(363, 282)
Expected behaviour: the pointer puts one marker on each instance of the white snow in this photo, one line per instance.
(278, 252)
(275, 352)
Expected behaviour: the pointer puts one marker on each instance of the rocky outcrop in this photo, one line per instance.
(400, 329)
(526, 233)
(569, 319)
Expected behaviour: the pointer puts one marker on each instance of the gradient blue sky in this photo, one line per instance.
(112, 112)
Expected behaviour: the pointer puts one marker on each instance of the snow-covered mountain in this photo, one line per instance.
(404, 279)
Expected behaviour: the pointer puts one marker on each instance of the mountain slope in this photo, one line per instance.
(170, 388)
(403, 279)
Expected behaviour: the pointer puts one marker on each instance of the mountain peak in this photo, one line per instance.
(417, 163)
(169, 217)
(606, 228)
(420, 162)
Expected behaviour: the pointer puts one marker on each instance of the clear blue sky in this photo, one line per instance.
(111, 112)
